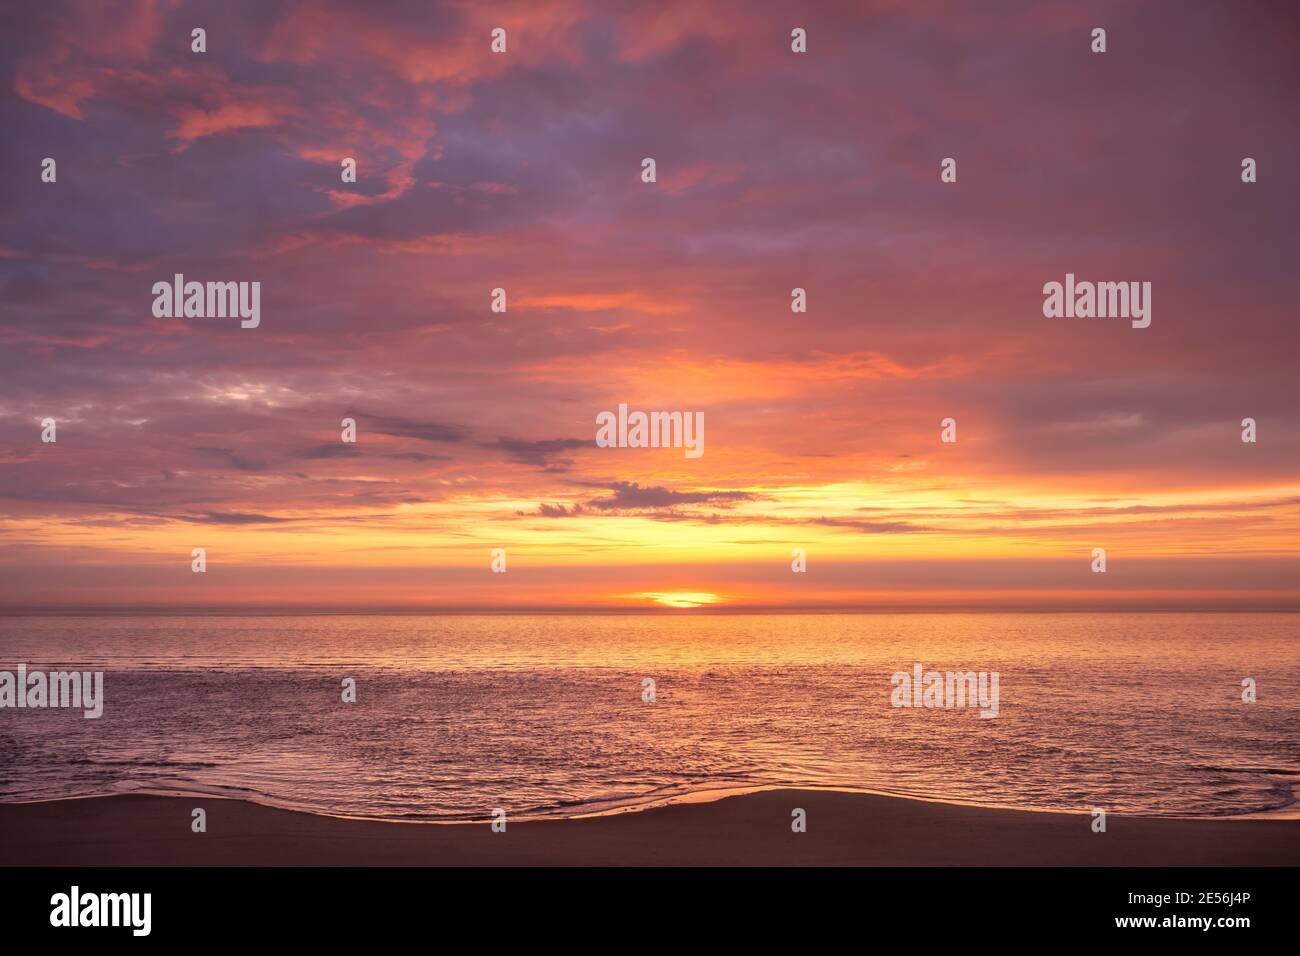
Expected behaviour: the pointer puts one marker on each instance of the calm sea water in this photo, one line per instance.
(543, 715)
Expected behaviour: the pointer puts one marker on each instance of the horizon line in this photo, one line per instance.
(279, 610)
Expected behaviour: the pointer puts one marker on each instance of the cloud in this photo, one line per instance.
(479, 171)
(402, 428)
(338, 449)
(868, 527)
(231, 518)
(233, 459)
(630, 496)
(545, 510)
(540, 454)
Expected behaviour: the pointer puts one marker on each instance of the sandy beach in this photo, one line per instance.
(843, 828)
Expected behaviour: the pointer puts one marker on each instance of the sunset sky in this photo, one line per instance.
(776, 170)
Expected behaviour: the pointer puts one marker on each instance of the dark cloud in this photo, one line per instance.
(339, 449)
(631, 496)
(230, 518)
(421, 431)
(233, 459)
(540, 454)
(545, 510)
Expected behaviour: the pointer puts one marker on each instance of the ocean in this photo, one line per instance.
(547, 715)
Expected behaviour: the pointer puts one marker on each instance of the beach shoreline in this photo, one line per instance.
(843, 828)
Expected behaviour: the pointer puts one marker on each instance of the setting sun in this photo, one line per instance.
(681, 598)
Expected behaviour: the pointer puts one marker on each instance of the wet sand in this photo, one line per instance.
(748, 829)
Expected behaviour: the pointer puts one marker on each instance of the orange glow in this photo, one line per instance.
(681, 598)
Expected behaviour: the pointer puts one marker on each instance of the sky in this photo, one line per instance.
(775, 170)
